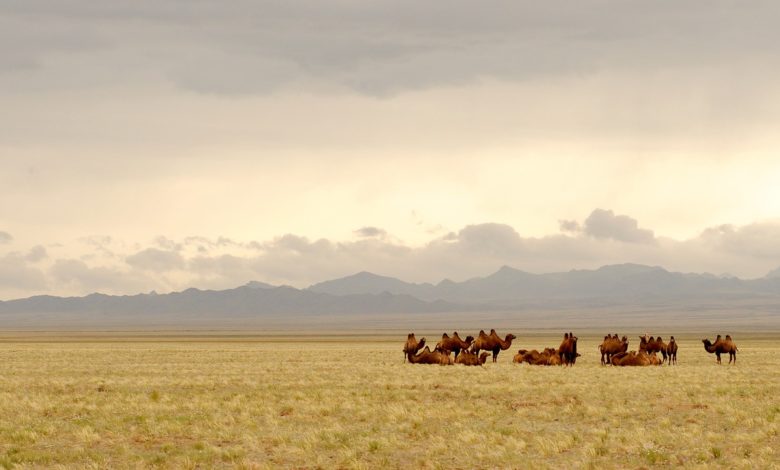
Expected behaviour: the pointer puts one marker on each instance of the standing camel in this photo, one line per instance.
(721, 346)
(454, 343)
(492, 343)
(568, 349)
(671, 351)
(611, 346)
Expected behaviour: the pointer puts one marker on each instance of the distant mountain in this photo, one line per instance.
(509, 287)
(246, 300)
(372, 297)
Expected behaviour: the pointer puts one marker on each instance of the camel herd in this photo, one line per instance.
(614, 350)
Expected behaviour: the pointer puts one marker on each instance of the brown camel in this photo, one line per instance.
(567, 351)
(548, 357)
(469, 359)
(634, 358)
(722, 346)
(491, 343)
(671, 351)
(430, 357)
(611, 346)
(652, 345)
(454, 343)
(412, 346)
(518, 358)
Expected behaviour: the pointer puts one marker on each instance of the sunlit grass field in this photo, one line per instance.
(351, 402)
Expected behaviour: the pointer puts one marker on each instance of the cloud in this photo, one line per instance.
(370, 232)
(605, 224)
(36, 253)
(759, 240)
(76, 276)
(569, 226)
(155, 259)
(17, 275)
(475, 250)
(5, 237)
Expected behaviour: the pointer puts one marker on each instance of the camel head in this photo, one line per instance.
(510, 337)
(707, 343)
(421, 343)
(483, 357)
(469, 339)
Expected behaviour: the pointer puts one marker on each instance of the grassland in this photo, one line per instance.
(267, 402)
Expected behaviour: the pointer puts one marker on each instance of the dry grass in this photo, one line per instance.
(349, 404)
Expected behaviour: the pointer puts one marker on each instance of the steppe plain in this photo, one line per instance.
(237, 399)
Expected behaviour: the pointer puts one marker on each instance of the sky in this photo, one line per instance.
(159, 145)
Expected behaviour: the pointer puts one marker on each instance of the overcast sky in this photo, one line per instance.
(166, 144)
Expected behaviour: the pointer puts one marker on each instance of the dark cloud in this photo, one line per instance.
(605, 224)
(385, 46)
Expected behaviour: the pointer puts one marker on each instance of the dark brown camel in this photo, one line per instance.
(412, 346)
(611, 346)
(671, 351)
(468, 359)
(567, 351)
(454, 343)
(430, 357)
(722, 346)
(492, 343)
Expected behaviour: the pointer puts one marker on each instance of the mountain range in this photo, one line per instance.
(364, 293)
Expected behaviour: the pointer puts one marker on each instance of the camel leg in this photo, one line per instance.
(717, 354)
(495, 355)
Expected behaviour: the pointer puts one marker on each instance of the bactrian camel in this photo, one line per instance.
(492, 343)
(722, 346)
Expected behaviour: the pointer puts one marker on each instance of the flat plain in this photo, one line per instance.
(249, 401)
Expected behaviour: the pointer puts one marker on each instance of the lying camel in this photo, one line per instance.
(491, 342)
(469, 359)
(568, 349)
(722, 346)
(548, 357)
(611, 346)
(454, 343)
(412, 346)
(633, 358)
(430, 357)
(671, 351)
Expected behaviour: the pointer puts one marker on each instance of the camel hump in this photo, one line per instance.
(410, 336)
(728, 337)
